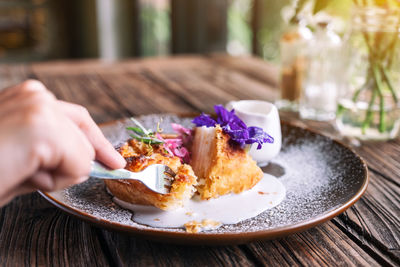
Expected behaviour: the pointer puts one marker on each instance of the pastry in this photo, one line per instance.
(140, 155)
(222, 167)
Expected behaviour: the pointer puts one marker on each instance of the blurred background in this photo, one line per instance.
(38, 30)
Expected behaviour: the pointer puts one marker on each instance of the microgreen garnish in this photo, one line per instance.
(235, 127)
(145, 131)
(172, 146)
(136, 130)
(143, 135)
(159, 129)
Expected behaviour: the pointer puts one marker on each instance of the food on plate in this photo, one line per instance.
(209, 160)
(219, 156)
(222, 167)
(140, 155)
(195, 226)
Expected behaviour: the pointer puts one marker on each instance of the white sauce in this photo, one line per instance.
(228, 209)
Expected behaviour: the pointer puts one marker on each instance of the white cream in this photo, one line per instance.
(229, 209)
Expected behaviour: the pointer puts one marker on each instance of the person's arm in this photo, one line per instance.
(45, 143)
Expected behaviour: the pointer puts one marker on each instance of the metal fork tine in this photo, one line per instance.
(156, 177)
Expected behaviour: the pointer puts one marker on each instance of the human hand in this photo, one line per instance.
(45, 143)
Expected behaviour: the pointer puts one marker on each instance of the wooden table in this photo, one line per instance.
(33, 232)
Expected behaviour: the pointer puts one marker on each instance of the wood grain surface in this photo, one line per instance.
(33, 232)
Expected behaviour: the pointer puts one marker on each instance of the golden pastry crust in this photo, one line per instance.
(139, 156)
(221, 166)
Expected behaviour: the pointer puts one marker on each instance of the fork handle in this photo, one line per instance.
(98, 170)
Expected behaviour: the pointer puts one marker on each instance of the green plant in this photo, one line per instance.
(381, 49)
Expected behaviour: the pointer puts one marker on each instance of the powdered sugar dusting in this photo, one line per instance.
(319, 176)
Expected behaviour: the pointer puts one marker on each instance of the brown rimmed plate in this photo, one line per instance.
(322, 177)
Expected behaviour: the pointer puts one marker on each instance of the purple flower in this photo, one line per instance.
(228, 118)
(235, 127)
(204, 120)
(257, 135)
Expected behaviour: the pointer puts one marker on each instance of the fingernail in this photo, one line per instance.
(121, 160)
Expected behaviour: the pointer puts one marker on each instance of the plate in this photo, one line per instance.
(322, 177)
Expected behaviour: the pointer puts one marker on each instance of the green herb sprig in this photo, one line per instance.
(142, 134)
(380, 61)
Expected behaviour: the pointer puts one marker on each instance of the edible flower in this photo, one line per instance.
(178, 145)
(185, 134)
(174, 147)
(234, 127)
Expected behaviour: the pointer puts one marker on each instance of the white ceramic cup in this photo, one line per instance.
(264, 115)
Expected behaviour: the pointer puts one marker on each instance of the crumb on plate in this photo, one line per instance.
(206, 224)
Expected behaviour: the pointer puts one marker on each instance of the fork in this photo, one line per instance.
(156, 177)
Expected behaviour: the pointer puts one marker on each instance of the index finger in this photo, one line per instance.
(105, 152)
